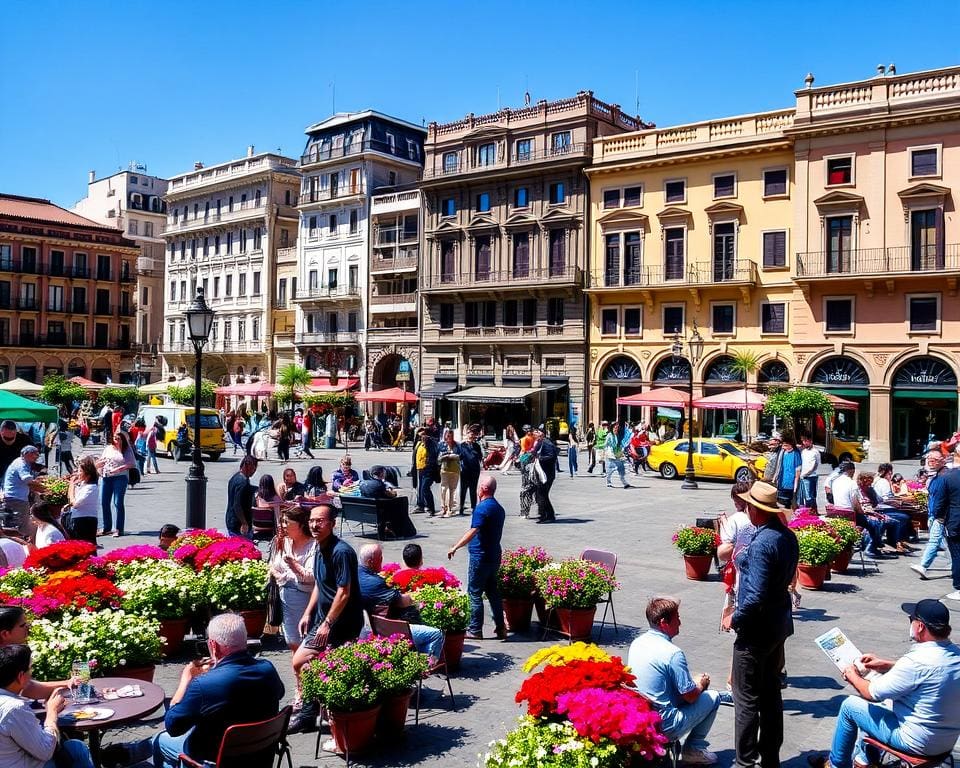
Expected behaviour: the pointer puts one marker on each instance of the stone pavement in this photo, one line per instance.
(637, 524)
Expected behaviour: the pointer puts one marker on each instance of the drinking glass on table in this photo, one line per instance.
(82, 687)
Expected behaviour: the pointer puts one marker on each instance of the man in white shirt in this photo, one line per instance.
(923, 687)
(846, 496)
(844, 487)
(809, 473)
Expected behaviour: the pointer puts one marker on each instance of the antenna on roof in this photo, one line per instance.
(526, 92)
(636, 89)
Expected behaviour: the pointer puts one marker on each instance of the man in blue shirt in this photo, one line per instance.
(18, 482)
(788, 474)
(486, 530)
(687, 708)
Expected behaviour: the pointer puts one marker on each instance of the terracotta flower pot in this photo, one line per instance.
(353, 731)
(812, 576)
(576, 623)
(393, 712)
(517, 612)
(697, 566)
(453, 649)
(173, 631)
(842, 561)
(255, 621)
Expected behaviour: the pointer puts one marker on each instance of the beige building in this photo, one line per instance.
(505, 251)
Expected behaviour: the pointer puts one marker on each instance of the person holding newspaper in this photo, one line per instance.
(923, 686)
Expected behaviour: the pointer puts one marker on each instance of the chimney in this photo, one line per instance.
(881, 70)
(91, 177)
(197, 165)
(250, 150)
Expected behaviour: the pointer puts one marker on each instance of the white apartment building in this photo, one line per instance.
(225, 224)
(132, 201)
(347, 158)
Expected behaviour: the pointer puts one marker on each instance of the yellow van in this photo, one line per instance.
(212, 441)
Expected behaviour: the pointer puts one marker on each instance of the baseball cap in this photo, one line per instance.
(931, 612)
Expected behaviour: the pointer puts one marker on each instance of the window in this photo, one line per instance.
(924, 313)
(775, 182)
(216, 287)
(353, 276)
(206, 246)
(241, 329)
(230, 203)
(839, 170)
(674, 242)
(311, 227)
(611, 198)
(205, 285)
(925, 161)
(206, 210)
(773, 317)
(633, 321)
(6, 257)
(332, 224)
(632, 197)
(229, 286)
(446, 315)
(487, 154)
(448, 261)
(255, 329)
(489, 314)
(471, 314)
(227, 330)
(256, 283)
(448, 207)
(838, 315)
(332, 280)
(555, 311)
(55, 298)
(229, 243)
(148, 228)
(560, 142)
(558, 252)
(483, 202)
(510, 315)
(353, 321)
(775, 249)
(609, 321)
(243, 240)
(521, 197)
(557, 193)
(675, 191)
(450, 162)
(78, 333)
(722, 319)
(529, 312)
(611, 272)
(242, 284)
(132, 227)
(673, 321)
(524, 150)
(354, 221)
(521, 254)
(482, 254)
(56, 262)
(725, 185)
(257, 238)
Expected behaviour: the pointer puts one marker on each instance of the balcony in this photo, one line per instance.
(390, 236)
(128, 277)
(127, 311)
(326, 195)
(329, 293)
(402, 335)
(397, 260)
(698, 274)
(395, 202)
(246, 210)
(28, 304)
(327, 337)
(555, 277)
(322, 154)
(215, 345)
(394, 302)
(28, 267)
(105, 274)
(902, 261)
(288, 254)
(81, 272)
(579, 152)
(104, 309)
(570, 331)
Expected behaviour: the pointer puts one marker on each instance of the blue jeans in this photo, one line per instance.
(425, 492)
(73, 752)
(616, 464)
(167, 749)
(807, 496)
(572, 460)
(694, 721)
(115, 488)
(858, 717)
(482, 577)
(934, 542)
(427, 640)
(152, 459)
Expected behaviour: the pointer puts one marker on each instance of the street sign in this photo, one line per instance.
(404, 371)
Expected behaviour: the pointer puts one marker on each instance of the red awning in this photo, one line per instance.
(256, 389)
(324, 385)
(734, 400)
(842, 404)
(392, 395)
(86, 383)
(663, 397)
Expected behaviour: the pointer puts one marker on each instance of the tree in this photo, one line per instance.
(117, 395)
(291, 380)
(797, 405)
(745, 363)
(61, 392)
(184, 395)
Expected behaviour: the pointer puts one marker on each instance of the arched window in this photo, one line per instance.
(621, 378)
(773, 372)
(669, 371)
(923, 372)
(721, 371)
(840, 372)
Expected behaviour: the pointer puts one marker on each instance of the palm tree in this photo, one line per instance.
(745, 363)
(291, 378)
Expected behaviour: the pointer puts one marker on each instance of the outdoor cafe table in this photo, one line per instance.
(125, 711)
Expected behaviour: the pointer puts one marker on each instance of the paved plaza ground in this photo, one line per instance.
(637, 524)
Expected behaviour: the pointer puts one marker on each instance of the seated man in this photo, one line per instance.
(14, 628)
(375, 592)
(23, 740)
(686, 707)
(846, 496)
(231, 687)
(376, 487)
(924, 687)
(413, 556)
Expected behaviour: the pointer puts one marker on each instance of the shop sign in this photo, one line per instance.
(924, 372)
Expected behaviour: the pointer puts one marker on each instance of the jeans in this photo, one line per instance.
(73, 753)
(152, 459)
(572, 460)
(807, 494)
(482, 577)
(428, 640)
(694, 721)
(468, 484)
(167, 749)
(953, 544)
(858, 716)
(934, 540)
(616, 464)
(305, 446)
(758, 713)
(591, 457)
(113, 487)
(424, 490)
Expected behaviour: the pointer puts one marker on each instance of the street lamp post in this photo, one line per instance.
(136, 371)
(695, 350)
(199, 321)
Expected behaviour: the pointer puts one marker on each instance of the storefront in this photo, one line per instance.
(620, 378)
(671, 372)
(846, 378)
(434, 402)
(924, 405)
(721, 377)
(772, 374)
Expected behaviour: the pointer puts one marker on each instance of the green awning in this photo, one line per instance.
(848, 392)
(924, 394)
(19, 408)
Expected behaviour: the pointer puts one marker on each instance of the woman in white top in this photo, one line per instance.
(114, 471)
(47, 530)
(13, 551)
(84, 500)
(292, 567)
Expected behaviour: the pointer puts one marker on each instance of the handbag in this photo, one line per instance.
(274, 603)
(539, 472)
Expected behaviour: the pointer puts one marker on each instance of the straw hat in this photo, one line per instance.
(762, 496)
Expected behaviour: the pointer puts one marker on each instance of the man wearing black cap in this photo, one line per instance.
(923, 686)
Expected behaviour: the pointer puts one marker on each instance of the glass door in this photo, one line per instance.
(839, 243)
(723, 252)
(925, 252)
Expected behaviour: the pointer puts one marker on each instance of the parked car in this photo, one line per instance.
(716, 457)
(211, 429)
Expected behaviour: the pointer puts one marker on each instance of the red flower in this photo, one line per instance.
(541, 690)
(61, 555)
(227, 551)
(89, 593)
(411, 579)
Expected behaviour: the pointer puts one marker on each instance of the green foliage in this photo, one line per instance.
(328, 400)
(60, 392)
(442, 607)
(745, 363)
(518, 570)
(793, 405)
(692, 540)
(541, 743)
(817, 547)
(162, 589)
(54, 490)
(574, 583)
(236, 586)
(117, 395)
(846, 532)
(294, 376)
(184, 395)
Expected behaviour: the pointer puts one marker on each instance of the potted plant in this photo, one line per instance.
(847, 535)
(698, 546)
(165, 590)
(61, 555)
(546, 744)
(571, 589)
(818, 547)
(446, 609)
(54, 490)
(239, 586)
(400, 668)
(518, 584)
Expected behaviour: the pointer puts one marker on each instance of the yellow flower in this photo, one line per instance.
(557, 655)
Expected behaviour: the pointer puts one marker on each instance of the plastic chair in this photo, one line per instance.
(608, 560)
(252, 745)
(906, 758)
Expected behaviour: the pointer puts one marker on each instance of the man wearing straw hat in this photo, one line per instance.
(763, 620)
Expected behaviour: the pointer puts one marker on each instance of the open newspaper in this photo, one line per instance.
(842, 652)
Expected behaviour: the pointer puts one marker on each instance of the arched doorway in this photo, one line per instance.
(671, 372)
(772, 374)
(76, 367)
(720, 377)
(26, 368)
(392, 370)
(846, 378)
(620, 378)
(924, 404)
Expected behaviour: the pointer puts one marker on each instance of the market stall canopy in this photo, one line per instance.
(841, 404)
(256, 389)
(160, 387)
(17, 408)
(663, 397)
(392, 395)
(318, 386)
(516, 395)
(733, 400)
(20, 387)
(90, 386)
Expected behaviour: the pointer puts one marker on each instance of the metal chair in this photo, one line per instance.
(252, 745)
(608, 560)
(851, 516)
(906, 758)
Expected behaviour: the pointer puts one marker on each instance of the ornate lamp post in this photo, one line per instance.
(695, 350)
(199, 322)
(136, 371)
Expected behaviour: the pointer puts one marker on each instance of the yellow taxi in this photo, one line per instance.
(717, 457)
(844, 449)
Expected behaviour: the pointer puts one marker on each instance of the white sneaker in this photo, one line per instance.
(952, 596)
(698, 757)
(919, 569)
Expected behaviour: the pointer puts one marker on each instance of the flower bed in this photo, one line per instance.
(61, 555)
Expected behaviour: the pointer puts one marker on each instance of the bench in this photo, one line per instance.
(391, 517)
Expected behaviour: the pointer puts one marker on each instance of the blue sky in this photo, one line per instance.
(94, 85)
